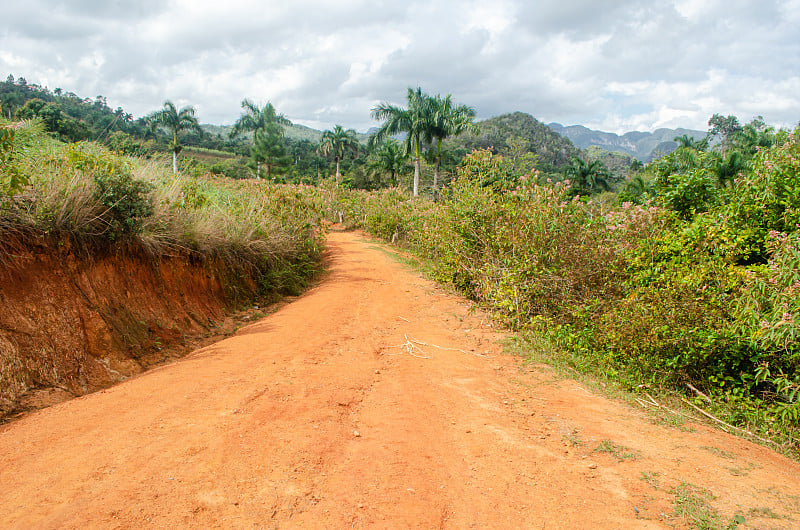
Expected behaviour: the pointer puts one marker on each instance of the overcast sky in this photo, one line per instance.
(613, 65)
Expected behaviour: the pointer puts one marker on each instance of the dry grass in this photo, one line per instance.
(267, 231)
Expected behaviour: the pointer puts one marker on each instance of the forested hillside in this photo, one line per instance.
(517, 134)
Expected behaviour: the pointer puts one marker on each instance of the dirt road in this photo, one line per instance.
(340, 411)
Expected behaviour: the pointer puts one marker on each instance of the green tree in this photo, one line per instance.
(268, 150)
(634, 190)
(587, 178)
(415, 121)
(255, 119)
(754, 136)
(175, 121)
(337, 143)
(30, 110)
(447, 119)
(726, 128)
(727, 167)
(687, 142)
(267, 123)
(389, 159)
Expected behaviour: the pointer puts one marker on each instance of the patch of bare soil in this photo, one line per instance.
(374, 400)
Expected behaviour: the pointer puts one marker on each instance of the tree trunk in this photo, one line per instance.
(417, 170)
(175, 162)
(436, 179)
(258, 170)
(436, 168)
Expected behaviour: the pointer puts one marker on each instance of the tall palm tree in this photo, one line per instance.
(255, 119)
(176, 121)
(416, 121)
(447, 120)
(337, 143)
(265, 122)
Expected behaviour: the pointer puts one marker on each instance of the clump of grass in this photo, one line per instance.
(693, 505)
(620, 452)
(764, 512)
(719, 452)
(651, 477)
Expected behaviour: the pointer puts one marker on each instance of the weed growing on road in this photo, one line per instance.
(693, 505)
(651, 477)
(719, 452)
(620, 452)
(764, 512)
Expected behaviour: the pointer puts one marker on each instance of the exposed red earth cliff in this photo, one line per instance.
(69, 325)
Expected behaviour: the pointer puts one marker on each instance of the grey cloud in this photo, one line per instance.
(616, 62)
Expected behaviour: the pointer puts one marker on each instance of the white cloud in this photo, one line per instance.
(616, 65)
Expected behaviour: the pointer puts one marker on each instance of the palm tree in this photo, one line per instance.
(588, 178)
(727, 168)
(176, 121)
(447, 120)
(255, 119)
(389, 159)
(415, 121)
(756, 134)
(688, 142)
(337, 142)
(265, 122)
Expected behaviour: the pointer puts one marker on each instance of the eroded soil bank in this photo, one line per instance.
(70, 326)
(376, 400)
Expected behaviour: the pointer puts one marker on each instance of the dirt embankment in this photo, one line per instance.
(69, 326)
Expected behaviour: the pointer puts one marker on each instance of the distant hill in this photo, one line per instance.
(641, 145)
(295, 132)
(519, 131)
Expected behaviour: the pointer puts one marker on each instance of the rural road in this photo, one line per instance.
(375, 400)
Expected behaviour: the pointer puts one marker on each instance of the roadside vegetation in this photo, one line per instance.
(678, 277)
(86, 199)
(685, 281)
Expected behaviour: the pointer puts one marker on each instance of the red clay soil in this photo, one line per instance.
(70, 326)
(323, 415)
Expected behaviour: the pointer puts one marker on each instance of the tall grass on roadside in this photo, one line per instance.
(83, 196)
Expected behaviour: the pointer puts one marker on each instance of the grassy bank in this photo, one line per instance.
(88, 199)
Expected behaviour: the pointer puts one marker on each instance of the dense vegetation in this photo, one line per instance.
(681, 275)
(694, 280)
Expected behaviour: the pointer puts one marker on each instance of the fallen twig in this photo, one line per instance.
(711, 416)
(409, 347)
(699, 393)
(415, 341)
(660, 406)
(412, 345)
